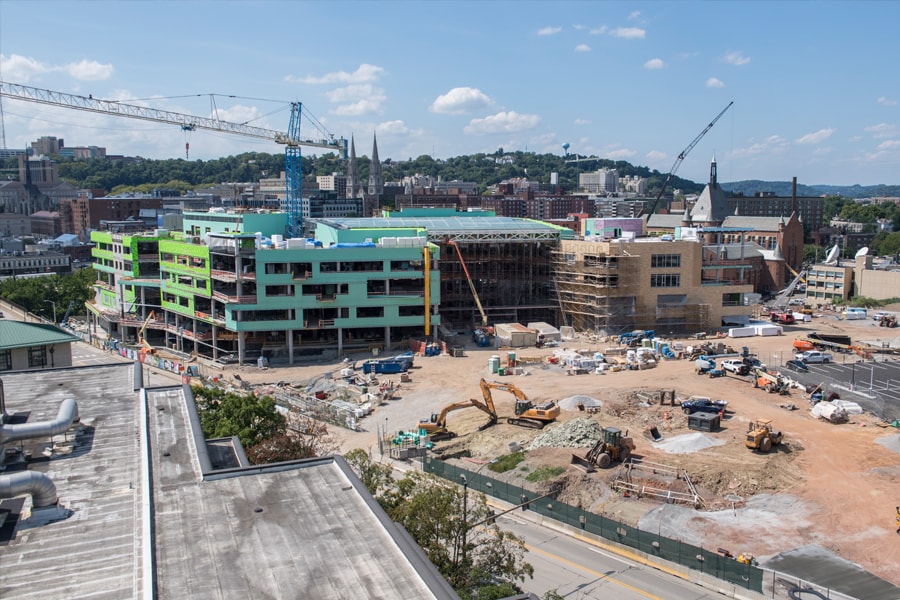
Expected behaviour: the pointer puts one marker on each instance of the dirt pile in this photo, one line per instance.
(576, 433)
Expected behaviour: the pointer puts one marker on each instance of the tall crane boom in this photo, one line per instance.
(684, 153)
(121, 109)
(291, 140)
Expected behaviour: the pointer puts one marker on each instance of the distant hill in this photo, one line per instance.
(783, 188)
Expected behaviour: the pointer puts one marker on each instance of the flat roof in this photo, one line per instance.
(186, 530)
(444, 225)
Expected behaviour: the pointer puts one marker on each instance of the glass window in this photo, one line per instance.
(665, 261)
(5, 360)
(37, 356)
(665, 280)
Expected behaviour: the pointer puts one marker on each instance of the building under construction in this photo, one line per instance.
(493, 269)
(621, 285)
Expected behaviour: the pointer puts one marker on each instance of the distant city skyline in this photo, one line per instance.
(813, 97)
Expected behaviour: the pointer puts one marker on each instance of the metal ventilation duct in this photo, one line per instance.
(68, 413)
(38, 485)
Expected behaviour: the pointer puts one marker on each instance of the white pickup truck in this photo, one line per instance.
(814, 356)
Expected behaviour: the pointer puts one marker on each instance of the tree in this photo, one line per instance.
(480, 562)
(886, 244)
(225, 414)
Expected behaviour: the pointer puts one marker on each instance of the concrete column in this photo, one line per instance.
(290, 345)
(241, 335)
(340, 333)
(215, 341)
(387, 337)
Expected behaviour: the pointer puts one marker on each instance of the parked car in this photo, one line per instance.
(881, 313)
(814, 356)
(754, 363)
(703, 404)
(736, 366)
(797, 365)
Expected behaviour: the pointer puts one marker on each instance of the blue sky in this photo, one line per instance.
(815, 85)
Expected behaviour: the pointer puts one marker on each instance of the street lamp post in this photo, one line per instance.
(51, 302)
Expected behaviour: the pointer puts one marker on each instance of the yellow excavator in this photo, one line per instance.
(436, 426)
(527, 414)
(146, 348)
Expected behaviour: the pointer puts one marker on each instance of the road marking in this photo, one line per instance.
(598, 574)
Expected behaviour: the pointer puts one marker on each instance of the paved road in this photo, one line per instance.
(576, 568)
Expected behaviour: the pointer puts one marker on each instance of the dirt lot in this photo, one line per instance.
(827, 484)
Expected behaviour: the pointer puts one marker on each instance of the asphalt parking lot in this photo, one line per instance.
(874, 385)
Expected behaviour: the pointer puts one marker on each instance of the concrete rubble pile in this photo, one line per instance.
(577, 433)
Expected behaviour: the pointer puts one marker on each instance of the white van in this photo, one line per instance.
(852, 314)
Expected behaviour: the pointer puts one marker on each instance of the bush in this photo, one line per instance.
(544, 474)
(507, 462)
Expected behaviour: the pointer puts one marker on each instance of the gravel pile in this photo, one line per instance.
(577, 433)
(891, 442)
(687, 443)
(572, 402)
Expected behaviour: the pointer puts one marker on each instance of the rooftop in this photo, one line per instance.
(187, 530)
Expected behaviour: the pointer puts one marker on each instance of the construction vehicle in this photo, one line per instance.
(814, 343)
(527, 414)
(436, 426)
(761, 436)
(887, 321)
(146, 347)
(484, 319)
(680, 158)
(613, 446)
(782, 318)
(771, 382)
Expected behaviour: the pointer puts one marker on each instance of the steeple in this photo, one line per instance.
(376, 183)
(353, 184)
(713, 178)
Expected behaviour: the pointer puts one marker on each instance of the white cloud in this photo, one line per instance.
(620, 153)
(397, 127)
(599, 30)
(714, 82)
(21, 69)
(578, 27)
(655, 155)
(365, 72)
(582, 122)
(240, 114)
(889, 145)
(549, 30)
(364, 106)
(460, 100)
(655, 63)
(582, 48)
(634, 15)
(774, 144)
(816, 137)
(631, 33)
(736, 58)
(357, 99)
(884, 101)
(883, 130)
(502, 122)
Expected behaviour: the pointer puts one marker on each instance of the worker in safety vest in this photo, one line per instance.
(898, 519)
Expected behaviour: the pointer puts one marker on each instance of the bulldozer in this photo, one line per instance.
(436, 426)
(613, 446)
(762, 436)
(533, 416)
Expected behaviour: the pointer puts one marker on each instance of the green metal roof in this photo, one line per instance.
(15, 334)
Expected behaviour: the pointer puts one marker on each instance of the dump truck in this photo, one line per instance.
(762, 436)
(613, 446)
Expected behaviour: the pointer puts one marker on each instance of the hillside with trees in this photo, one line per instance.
(141, 175)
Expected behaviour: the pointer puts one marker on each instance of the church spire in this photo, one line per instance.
(376, 183)
(713, 177)
(353, 184)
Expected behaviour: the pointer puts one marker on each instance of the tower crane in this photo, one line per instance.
(291, 140)
(684, 153)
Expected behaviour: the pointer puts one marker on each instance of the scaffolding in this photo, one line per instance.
(599, 291)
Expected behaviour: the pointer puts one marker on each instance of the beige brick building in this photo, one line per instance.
(645, 283)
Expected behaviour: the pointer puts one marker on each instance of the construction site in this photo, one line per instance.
(763, 477)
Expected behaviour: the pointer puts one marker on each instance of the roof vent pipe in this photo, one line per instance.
(68, 413)
(38, 485)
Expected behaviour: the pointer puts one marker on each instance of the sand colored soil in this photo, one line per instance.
(835, 485)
